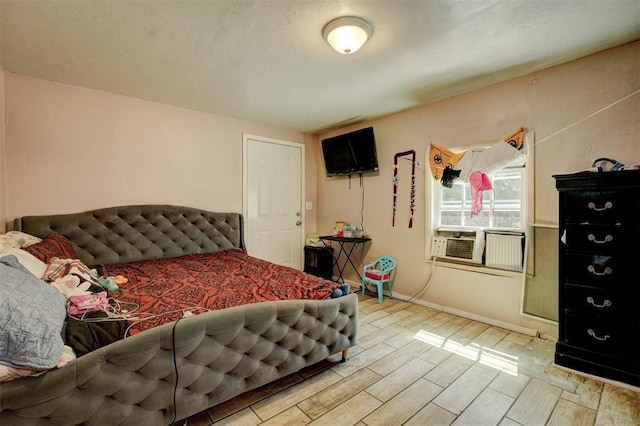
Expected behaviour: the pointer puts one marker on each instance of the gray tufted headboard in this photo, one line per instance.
(143, 232)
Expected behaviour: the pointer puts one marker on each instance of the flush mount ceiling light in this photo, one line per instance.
(347, 34)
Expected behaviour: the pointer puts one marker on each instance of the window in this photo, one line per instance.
(502, 208)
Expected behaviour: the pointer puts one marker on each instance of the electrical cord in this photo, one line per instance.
(175, 358)
(615, 164)
(117, 315)
(362, 204)
(175, 369)
(427, 284)
(152, 316)
(114, 312)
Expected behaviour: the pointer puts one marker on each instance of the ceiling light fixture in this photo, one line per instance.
(347, 34)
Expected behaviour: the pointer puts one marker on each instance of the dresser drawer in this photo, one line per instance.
(609, 303)
(603, 239)
(606, 271)
(599, 334)
(607, 207)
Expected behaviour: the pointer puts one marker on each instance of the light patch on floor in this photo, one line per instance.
(492, 358)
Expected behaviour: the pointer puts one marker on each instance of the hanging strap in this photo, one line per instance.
(396, 179)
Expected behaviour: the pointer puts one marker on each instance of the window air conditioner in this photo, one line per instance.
(466, 246)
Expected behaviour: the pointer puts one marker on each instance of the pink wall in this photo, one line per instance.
(3, 181)
(543, 102)
(71, 149)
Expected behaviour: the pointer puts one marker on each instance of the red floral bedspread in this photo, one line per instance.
(220, 280)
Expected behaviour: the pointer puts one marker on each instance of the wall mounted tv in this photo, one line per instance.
(351, 153)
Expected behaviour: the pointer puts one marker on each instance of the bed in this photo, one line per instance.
(215, 355)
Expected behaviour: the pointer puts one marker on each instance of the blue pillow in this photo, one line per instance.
(32, 315)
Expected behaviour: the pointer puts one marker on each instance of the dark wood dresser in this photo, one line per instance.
(599, 274)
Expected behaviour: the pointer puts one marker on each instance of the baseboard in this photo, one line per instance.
(472, 316)
(460, 313)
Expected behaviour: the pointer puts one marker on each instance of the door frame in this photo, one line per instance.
(245, 180)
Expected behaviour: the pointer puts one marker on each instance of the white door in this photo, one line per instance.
(273, 189)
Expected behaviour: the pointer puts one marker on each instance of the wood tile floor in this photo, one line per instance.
(417, 366)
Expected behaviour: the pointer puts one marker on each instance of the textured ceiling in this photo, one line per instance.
(266, 60)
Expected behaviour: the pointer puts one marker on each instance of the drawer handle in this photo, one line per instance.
(593, 334)
(607, 238)
(605, 304)
(606, 271)
(607, 205)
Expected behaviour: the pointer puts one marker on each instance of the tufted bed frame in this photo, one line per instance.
(217, 355)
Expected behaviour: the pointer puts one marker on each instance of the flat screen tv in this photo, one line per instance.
(351, 153)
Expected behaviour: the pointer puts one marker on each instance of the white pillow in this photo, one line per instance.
(7, 242)
(23, 240)
(26, 259)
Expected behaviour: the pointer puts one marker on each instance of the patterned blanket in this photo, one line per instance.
(165, 287)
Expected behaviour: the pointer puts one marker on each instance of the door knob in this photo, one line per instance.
(298, 223)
